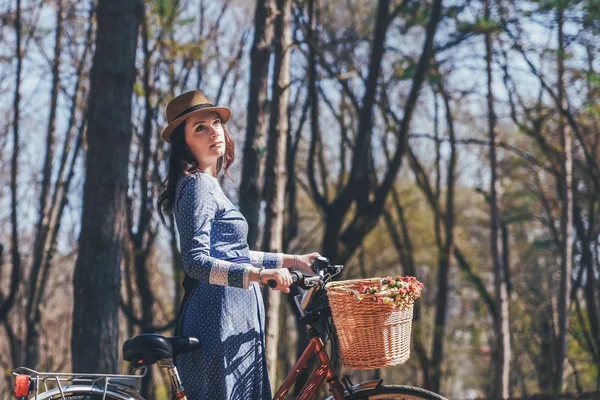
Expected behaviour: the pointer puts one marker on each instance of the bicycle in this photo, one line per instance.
(147, 349)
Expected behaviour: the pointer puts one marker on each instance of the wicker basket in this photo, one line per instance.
(371, 335)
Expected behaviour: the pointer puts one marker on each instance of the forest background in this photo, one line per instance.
(456, 141)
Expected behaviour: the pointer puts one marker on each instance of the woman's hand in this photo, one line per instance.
(306, 261)
(280, 275)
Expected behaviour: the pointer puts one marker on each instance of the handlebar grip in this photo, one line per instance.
(296, 276)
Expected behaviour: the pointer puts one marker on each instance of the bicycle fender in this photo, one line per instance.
(359, 387)
(112, 392)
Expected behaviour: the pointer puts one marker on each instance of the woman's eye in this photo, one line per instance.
(218, 122)
(201, 127)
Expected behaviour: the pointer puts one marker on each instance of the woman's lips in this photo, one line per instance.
(216, 144)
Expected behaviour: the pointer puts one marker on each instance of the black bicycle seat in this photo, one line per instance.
(148, 348)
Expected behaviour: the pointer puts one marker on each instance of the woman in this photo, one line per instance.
(223, 305)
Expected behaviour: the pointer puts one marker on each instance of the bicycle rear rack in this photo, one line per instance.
(99, 383)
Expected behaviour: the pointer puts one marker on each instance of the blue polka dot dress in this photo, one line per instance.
(224, 310)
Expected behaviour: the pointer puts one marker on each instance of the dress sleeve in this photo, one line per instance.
(196, 208)
(261, 259)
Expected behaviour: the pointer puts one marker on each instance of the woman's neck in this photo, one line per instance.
(210, 170)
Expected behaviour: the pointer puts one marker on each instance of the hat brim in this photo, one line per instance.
(224, 113)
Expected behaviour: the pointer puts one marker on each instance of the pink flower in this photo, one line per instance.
(401, 292)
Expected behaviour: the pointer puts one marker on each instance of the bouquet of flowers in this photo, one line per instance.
(400, 292)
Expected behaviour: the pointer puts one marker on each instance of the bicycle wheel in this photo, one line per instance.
(87, 396)
(394, 392)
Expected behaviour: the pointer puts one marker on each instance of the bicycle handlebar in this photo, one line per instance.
(321, 267)
(296, 276)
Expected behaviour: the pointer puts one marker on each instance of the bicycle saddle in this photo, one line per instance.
(148, 348)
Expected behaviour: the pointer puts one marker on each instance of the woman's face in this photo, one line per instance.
(205, 137)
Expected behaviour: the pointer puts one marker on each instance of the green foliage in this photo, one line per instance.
(138, 89)
(415, 14)
(592, 11)
(434, 77)
(161, 7)
(418, 14)
(519, 205)
(405, 69)
(542, 244)
(480, 26)
(453, 11)
(593, 110)
(593, 78)
(549, 5)
(579, 352)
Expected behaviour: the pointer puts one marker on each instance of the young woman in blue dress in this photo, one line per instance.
(223, 305)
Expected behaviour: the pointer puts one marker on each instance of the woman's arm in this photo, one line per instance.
(196, 207)
(303, 262)
(261, 259)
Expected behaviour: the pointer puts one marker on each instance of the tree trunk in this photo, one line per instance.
(591, 290)
(36, 285)
(501, 326)
(66, 173)
(249, 198)
(15, 276)
(313, 98)
(329, 246)
(566, 220)
(445, 256)
(97, 278)
(403, 244)
(275, 171)
(291, 228)
(291, 223)
(141, 237)
(178, 272)
(591, 282)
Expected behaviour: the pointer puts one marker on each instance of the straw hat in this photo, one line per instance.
(186, 104)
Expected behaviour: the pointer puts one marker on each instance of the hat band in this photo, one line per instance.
(193, 108)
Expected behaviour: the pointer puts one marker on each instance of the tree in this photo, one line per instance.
(7, 302)
(25, 349)
(446, 250)
(501, 323)
(566, 217)
(275, 169)
(249, 194)
(359, 186)
(444, 237)
(360, 196)
(36, 284)
(97, 279)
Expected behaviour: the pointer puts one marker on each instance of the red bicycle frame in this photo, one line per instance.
(323, 371)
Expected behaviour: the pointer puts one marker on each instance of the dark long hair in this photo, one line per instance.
(182, 160)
